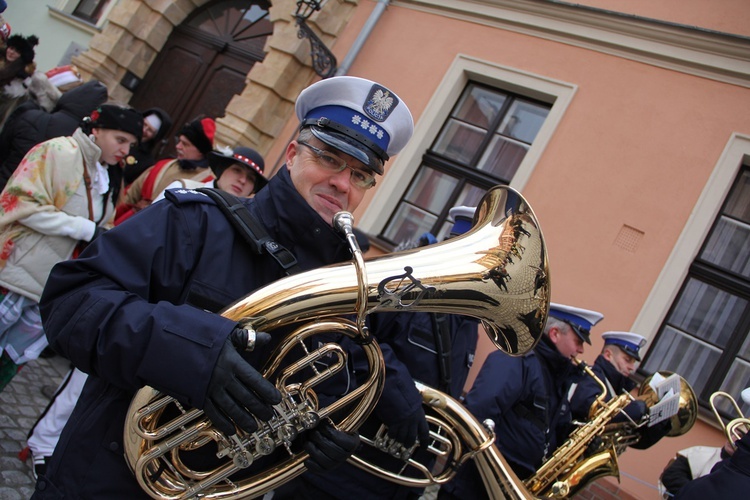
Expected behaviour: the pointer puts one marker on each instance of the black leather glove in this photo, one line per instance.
(236, 390)
(635, 410)
(407, 431)
(328, 447)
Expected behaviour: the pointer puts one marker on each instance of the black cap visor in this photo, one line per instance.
(581, 332)
(630, 352)
(351, 147)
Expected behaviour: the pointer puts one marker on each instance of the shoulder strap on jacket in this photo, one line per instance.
(251, 230)
(442, 334)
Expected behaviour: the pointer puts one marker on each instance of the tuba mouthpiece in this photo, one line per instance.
(344, 222)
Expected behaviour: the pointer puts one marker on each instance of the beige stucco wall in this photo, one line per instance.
(727, 16)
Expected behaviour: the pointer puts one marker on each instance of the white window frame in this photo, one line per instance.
(464, 69)
(63, 10)
(675, 270)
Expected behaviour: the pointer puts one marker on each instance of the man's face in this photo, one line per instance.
(115, 144)
(567, 342)
(622, 361)
(326, 191)
(186, 150)
(149, 132)
(238, 180)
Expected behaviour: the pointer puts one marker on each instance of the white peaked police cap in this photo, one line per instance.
(356, 116)
(580, 320)
(629, 342)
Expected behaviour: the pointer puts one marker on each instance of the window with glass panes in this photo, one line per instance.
(90, 10)
(705, 337)
(480, 145)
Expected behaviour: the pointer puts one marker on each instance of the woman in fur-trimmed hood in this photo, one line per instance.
(16, 65)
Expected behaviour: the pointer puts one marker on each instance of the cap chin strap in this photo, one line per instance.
(326, 123)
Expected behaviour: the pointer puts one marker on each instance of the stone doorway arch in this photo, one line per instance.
(137, 30)
(205, 62)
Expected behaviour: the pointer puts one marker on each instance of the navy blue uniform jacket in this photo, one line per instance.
(587, 389)
(526, 397)
(138, 308)
(730, 478)
(408, 345)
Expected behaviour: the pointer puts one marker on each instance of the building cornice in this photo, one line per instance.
(711, 54)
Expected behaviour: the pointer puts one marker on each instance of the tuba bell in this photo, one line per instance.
(497, 272)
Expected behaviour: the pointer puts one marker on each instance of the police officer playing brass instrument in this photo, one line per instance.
(526, 397)
(139, 307)
(613, 367)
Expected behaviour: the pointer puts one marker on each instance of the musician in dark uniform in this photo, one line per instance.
(526, 398)
(139, 306)
(613, 367)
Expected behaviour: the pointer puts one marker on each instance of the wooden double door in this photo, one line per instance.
(204, 63)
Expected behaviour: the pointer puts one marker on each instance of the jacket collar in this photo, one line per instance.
(618, 380)
(559, 365)
(295, 225)
(91, 152)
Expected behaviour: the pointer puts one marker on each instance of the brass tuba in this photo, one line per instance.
(497, 272)
(575, 463)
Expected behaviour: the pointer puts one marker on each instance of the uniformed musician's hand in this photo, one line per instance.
(237, 391)
(328, 447)
(407, 431)
(636, 410)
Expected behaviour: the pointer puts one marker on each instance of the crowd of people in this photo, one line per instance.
(115, 257)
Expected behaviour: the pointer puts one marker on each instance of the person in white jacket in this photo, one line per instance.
(58, 200)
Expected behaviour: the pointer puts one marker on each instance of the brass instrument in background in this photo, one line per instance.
(497, 272)
(456, 437)
(736, 428)
(581, 459)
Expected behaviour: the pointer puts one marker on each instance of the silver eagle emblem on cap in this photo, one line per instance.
(380, 103)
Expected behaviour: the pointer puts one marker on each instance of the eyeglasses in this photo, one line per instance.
(359, 178)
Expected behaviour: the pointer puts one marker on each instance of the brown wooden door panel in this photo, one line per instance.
(219, 83)
(176, 77)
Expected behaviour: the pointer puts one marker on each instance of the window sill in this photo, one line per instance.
(92, 29)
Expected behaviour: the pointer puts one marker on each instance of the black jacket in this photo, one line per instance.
(144, 154)
(526, 397)
(30, 125)
(730, 478)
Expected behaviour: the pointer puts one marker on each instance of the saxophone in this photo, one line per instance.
(567, 470)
